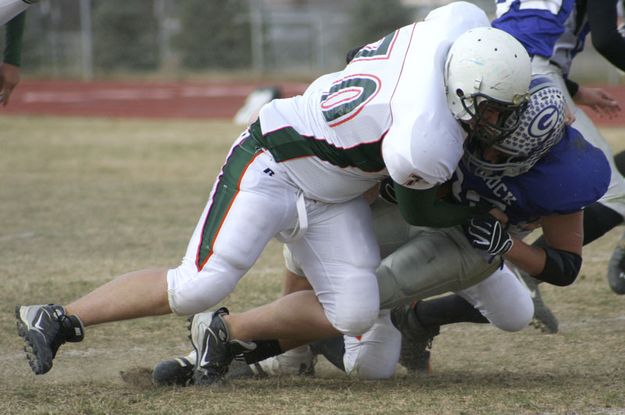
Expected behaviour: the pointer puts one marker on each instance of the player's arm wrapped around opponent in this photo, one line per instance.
(426, 207)
(557, 261)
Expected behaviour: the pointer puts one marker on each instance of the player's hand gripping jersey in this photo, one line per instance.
(385, 114)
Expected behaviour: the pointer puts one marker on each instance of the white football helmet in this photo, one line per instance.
(541, 127)
(487, 70)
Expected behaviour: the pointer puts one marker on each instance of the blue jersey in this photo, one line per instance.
(537, 24)
(571, 176)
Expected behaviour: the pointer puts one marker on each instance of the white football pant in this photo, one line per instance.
(252, 200)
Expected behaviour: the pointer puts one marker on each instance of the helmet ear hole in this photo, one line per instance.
(460, 92)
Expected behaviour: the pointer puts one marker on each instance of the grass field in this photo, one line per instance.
(83, 200)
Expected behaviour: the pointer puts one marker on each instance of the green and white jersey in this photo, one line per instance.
(385, 114)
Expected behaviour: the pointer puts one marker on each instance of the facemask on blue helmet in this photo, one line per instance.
(537, 129)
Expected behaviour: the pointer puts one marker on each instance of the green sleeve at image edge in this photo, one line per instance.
(13, 43)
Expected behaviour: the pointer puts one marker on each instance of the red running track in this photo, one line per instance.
(135, 99)
(214, 99)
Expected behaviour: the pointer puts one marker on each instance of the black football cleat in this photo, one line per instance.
(44, 329)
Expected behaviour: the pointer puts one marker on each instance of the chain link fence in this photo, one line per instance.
(94, 38)
(296, 38)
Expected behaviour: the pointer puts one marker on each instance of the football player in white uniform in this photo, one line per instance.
(544, 170)
(299, 173)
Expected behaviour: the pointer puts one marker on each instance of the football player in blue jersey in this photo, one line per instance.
(543, 173)
(553, 34)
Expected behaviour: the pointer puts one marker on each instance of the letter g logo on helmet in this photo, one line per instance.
(544, 122)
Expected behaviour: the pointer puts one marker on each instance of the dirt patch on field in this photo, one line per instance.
(138, 377)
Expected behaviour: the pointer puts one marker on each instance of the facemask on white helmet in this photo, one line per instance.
(487, 75)
(541, 127)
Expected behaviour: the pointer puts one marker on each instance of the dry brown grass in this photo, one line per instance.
(84, 200)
